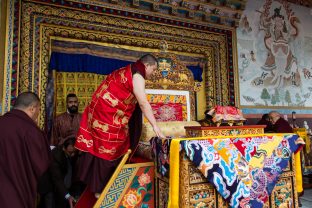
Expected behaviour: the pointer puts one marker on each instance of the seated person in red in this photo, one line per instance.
(279, 125)
(104, 133)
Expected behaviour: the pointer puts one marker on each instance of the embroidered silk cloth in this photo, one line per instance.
(167, 107)
(104, 124)
(226, 113)
(167, 111)
(161, 153)
(244, 170)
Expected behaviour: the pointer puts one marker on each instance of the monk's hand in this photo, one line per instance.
(71, 201)
(158, 132)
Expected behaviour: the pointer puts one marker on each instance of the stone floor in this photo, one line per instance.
(306, 199)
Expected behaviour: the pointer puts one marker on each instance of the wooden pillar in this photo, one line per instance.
(3, 19)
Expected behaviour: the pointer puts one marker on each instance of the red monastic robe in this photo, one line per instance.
(24, 156)
(104, 124)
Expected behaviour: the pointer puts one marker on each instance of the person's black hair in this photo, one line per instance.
(265, 116)
(26, 99)
(69, 141)
(208, 116)
(149, 59)
(70, 95)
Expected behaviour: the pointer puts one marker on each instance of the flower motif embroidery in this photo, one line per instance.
(144, 179)
(131, 199)
(140, 193)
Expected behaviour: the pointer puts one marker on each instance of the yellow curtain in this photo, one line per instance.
(302, 132)
(82, 84)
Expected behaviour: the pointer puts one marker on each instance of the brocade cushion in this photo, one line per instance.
(173, 129)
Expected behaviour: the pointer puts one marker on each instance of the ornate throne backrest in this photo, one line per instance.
(172, 86)
(171, 93)
(172, 74)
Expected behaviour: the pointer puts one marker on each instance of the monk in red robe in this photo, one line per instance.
(24, 153)
(104, 128)
(279, 125)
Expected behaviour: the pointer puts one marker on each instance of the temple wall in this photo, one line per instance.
(274, 60)
(202, 30)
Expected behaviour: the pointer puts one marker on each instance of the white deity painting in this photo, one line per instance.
(275, 55)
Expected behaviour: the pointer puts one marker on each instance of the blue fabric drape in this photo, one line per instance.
(93, 64)
(64, 62)
(197, 72)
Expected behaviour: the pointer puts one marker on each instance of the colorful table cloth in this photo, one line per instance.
(243, 169)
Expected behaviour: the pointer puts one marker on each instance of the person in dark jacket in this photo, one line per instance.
(55, 184)
(61, 171)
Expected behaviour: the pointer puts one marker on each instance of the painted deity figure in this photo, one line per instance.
(280, 65)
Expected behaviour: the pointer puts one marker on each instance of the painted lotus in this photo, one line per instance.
(144, 179)
(131, 199)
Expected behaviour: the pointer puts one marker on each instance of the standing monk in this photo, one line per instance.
(24, 153)
(104, 129)
(66, 124)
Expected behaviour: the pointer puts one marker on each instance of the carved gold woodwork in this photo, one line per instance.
(43, 23)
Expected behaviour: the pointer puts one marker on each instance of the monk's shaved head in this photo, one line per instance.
(274, 116)
(26, 99)
(149, 59)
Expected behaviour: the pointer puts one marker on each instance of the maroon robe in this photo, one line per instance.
(282, 126)
(65, 125)
(24, 156)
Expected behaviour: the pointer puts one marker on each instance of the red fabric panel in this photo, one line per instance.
(87, 199)
(167, 111)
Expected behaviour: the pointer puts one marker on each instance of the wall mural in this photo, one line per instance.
(274, 56)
